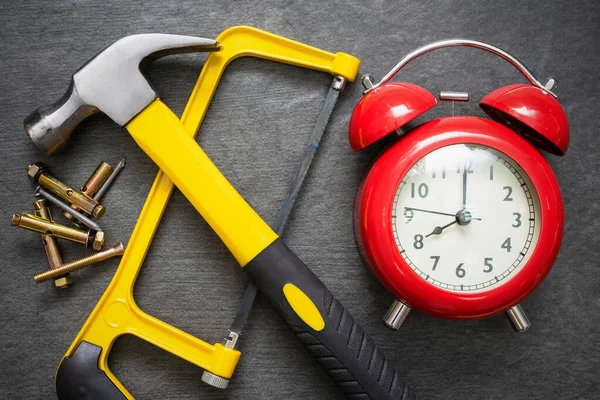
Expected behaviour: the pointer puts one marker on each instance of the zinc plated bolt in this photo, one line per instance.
(40, 191)
(38, 172)
(93, 184)
(104, 188)
(97, 179)
(52, 251)
(41, 225)
(114, 251)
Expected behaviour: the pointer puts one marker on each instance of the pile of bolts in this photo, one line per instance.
(81, 207)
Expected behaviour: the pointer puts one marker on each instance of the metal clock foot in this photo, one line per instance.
(518, 319)
(396, 315)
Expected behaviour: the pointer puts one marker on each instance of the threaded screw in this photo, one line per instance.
(54, 258)
(114, 251)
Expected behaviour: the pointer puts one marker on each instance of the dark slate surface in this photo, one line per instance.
(254, 131)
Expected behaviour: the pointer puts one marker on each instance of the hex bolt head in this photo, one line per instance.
(98, 240)
(34, 170)
(64, 282)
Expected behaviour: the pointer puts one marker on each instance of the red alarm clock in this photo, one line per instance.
(462, 217)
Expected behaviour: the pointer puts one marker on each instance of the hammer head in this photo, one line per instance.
(112, 83)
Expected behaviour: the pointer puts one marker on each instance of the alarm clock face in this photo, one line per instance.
(466, 218)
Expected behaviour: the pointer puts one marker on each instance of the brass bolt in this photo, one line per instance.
(114, 251)
(42, 211)
(54, 258)
(41, 225)
(102, 191)
(93, 184)
(84, 220)
(97, 179)
(39, 173)
(15, 220)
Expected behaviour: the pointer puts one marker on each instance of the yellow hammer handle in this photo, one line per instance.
(158, 131)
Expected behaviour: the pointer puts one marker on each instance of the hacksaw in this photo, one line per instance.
(85, 364)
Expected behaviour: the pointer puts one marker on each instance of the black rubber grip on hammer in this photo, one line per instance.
(342, 348)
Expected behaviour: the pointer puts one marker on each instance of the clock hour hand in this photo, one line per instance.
(439, 229)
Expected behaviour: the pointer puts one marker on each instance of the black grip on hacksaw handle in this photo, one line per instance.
(79, 378)
(342, 348)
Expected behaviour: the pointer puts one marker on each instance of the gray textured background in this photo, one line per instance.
(254, 131)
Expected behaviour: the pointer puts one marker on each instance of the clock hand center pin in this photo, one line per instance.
(463, 217)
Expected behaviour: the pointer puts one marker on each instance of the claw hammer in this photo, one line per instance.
(112, 83)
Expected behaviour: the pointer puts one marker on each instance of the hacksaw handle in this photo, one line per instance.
(302, 300)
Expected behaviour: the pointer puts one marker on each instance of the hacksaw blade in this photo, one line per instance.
(288, 203)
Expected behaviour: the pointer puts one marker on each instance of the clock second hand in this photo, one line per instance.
(436, 212)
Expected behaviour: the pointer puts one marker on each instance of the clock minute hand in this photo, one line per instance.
(465, 187)
(429, 211)
(436, 212)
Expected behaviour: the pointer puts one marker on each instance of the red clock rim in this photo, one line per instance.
(375, 200)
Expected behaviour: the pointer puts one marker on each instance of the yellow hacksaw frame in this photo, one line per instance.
(116, 313)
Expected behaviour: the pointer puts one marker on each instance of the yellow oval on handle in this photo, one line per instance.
(304, 307)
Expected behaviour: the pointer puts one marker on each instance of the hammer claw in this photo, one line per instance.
(157, 45)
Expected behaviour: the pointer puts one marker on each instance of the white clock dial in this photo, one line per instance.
(466, 218)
